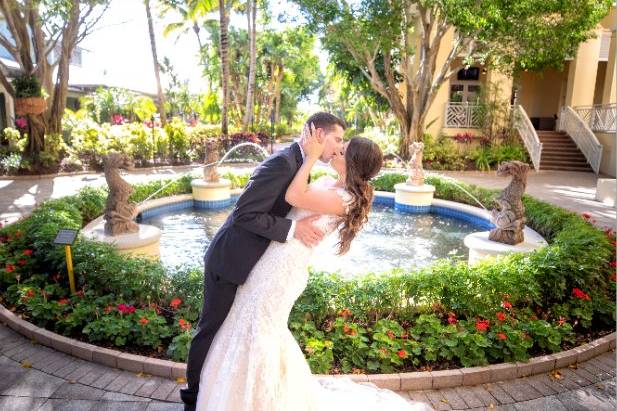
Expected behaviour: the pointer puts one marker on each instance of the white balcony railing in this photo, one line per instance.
(463, 115)
(600, 118)
(578, 129)
(528, 134)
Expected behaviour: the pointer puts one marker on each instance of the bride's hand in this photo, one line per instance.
(313, 142)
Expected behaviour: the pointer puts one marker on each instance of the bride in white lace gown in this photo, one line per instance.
(254, 362)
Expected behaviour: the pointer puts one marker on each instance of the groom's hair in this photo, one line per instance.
(325, 120)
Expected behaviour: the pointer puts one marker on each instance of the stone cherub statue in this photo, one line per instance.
(211, 173)
(119, 213)
(416, 172)
(510, 218)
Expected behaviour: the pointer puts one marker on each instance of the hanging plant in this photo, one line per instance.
(28, 95)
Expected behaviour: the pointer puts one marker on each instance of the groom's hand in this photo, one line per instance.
(307, 232)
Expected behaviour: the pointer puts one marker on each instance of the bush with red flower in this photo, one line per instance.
(444, 315)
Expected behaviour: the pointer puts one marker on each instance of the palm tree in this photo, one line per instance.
(159, 89)
(224, 49)
(251, 15)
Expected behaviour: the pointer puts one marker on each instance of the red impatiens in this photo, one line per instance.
(561, 321)
(22, 262)
(185, 325)
(28, 252)
(452, 318)
(402, 354)
(506, 304)
(501, 316)
(125, 309)
(345, 312)
(175, 303)
(501, 336)
(580, 294)
(390, 334)
(63, 301)
(9, 268)
(143, 321)
(482, 325)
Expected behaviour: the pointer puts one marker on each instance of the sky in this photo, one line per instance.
(118, 51)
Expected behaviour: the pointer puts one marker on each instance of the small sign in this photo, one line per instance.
(65, 236)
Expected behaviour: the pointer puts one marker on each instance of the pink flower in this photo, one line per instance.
(452, 318)
(117, 119)
(125, 309)
(21, 122)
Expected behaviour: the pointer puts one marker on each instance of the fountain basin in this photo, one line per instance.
(481, 247)
(211, 194)
(144, 243)
(413, 199)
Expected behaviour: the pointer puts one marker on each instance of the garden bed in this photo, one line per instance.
(443, 316)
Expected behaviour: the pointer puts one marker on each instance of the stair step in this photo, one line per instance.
(563, 164)
(556, 150)
(567, 157)
(566, 168)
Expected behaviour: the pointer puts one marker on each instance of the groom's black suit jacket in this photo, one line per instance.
(257, 219)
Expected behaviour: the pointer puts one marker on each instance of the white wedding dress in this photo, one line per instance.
(254, 362)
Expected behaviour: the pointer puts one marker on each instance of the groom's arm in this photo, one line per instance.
(252, 211)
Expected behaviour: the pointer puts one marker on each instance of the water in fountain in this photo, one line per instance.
(263, 151)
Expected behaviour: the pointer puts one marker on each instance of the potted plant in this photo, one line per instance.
(28, 95)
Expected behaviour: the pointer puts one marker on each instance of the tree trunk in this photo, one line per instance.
(69, 40)
(159, 89)
(224, 50)
(36, 134)
(251, 13)
(278, 92)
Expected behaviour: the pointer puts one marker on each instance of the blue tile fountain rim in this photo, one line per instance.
(382, 200)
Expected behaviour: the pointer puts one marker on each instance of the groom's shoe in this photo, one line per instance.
(189, 398)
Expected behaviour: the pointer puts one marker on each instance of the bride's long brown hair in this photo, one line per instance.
(363, 160)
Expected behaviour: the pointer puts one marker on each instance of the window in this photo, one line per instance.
(471, 73)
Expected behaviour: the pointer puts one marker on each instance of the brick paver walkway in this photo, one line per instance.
(571, 190)
(34, 377)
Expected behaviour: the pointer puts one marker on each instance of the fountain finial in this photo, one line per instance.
(211, 173)
(509, 219)
(119, 212)
(416, 172)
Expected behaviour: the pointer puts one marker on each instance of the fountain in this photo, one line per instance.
(414, 196)
(117, 225)
(510, 234)
(211, 191)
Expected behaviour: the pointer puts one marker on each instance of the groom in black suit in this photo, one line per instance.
(257, 219)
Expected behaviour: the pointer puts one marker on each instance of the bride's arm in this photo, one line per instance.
(300, 195)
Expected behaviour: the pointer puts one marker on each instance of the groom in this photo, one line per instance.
(257, 219)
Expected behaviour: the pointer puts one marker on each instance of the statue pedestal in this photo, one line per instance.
(606, 191)
(211, 195)
(144, 243)
(413, 199)
(480, 246)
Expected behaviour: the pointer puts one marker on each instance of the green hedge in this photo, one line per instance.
(444, 315)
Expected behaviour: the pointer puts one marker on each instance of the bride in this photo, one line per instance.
(254, 362)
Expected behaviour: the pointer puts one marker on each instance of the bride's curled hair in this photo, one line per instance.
(363, 160)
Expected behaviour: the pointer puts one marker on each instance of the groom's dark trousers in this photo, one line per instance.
(257, 219)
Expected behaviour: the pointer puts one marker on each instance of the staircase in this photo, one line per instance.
(559, 152)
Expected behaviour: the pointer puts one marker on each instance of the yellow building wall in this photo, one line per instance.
(539, 93)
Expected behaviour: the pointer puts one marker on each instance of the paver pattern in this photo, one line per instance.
(34, 377)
